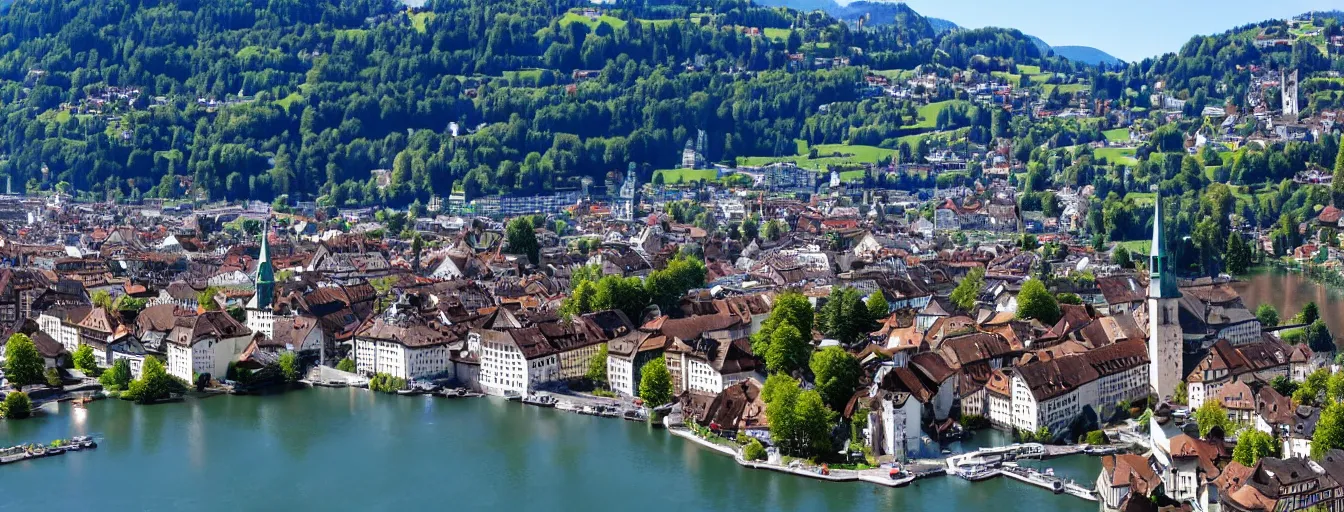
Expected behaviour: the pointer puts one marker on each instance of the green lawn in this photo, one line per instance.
(895, 74)
(419, 19)
(1117, 135)
(1142, 198)
(523, 75)
(1065, 88)
(574, 17)
(1122, 156)
(659, 23)
(1028, 70)
(849, 155)
(778, 34)
(913, 140)
(928, 114)
(1137, 247)
(286, 101)
(675, 176)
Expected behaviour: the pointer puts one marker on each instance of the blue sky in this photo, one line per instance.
(1128, 29)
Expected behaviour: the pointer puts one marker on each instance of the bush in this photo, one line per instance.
(53, 377)
(384, 383)
(346, 365)
(1097, 437)
(754, 450)
(17, 405)
(118, 377)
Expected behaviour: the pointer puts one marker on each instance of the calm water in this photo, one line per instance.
(326, 449)
(1289, 291)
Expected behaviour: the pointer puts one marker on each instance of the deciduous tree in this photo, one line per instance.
(23, 363)
(655, 383)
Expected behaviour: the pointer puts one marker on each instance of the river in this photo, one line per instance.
(349, 449)
(1288, 291)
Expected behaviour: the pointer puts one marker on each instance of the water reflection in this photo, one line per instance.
(357, 450)
(1289, 292)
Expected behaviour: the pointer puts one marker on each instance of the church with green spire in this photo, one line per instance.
(1165, 337)
(260, 318)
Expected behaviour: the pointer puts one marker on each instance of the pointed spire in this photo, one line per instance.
(1161, 282)
(1157, 247)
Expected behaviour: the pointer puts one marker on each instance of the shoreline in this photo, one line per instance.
(837, 475)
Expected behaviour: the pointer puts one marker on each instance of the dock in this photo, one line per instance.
(37, 451)
(1048, 482)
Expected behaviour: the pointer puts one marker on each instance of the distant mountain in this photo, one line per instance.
(886, 12)
(1086, 55)
(941, 25)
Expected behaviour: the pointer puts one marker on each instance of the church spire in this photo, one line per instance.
(265, 273)
(1162, 284)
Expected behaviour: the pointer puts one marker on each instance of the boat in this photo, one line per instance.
(84, 441)
(512, 396)
(409, 392)
(1057, 487)
(635, 415)
(540, 400)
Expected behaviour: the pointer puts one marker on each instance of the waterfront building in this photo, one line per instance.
(519, 360)
(1165, 336)
(1052, 393)
(1286, 485)
(205, 344)
(626, 355)
(409, 341)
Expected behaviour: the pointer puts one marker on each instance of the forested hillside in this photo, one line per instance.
(257, 99)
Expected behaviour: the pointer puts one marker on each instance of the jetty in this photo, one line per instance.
(36, 451)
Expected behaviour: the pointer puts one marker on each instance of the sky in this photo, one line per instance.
(1130, 29)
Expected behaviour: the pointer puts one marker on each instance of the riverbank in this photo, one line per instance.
(344, 449)
(877, 476)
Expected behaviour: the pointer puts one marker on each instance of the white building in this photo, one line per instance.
(205, 343)
(406, 343)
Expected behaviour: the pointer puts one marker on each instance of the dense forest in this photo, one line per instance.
(258, 99)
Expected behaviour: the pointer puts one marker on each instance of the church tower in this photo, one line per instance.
(259, 315)
(1164, 326)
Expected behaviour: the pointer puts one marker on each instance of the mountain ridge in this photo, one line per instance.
(883, 12)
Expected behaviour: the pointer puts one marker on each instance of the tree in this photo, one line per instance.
(23, 364)
(101, 299)
(1337, 186)
(780, 411)
(1034, 301)
(790, 308)
(754, 450)
(666, 287)
(878, 307)
(1211, 414)
(1097, 438)
(1121, 257)
(16, 406)
(814, 423)
(1237, 256)
(522, 238)
(1329, 430)
(289, 367)
(1181, 395)
(597, 367)
(154, 384)
(1310, 313)
(580, 301)
(1283, 385)
(206, 299)
(788, 350)
(118, 377)
(1318, 337)
(346, 365)
(1253, 445)
(837, 375)
(845, 317)
(655, 383)
(967, 291)
(1311, 389)
(1267, 315)
(84, 360)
